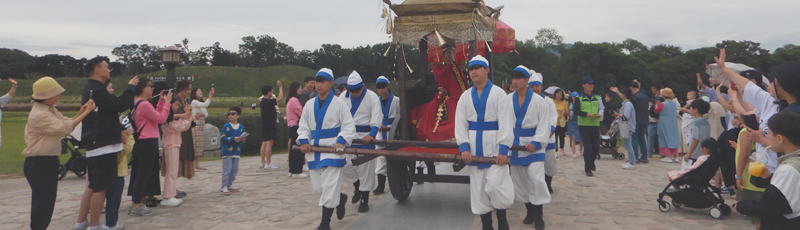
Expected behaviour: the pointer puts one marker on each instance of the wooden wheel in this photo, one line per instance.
(399, 176)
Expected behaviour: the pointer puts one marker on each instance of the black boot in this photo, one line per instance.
(356, 193)
(486, 220)
(419, 172)
(538, 217)
(340, 207)
(529, 217)
(325, 223)
(364, 206)
(431, 168)
(549, 181)
(502, 222)
(381, 184)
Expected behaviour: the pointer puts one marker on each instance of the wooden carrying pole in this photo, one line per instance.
(414, 155)
(427, 144)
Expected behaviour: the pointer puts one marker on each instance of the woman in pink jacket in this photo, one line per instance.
(145, 150)
(171, 143)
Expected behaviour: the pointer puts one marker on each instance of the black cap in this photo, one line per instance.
(587, 79)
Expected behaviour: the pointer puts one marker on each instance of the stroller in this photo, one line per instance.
(610, 138)
(695, 191)
(76, 162)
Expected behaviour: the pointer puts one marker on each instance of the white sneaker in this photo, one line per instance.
(224, 191)
(81, 226)
(172, 202)
(666, 159)
(98, 227)
(233, 189)
(270, 166)
(261, 165)
(119, 226)
(675, 161)
(628, 166)
(299, 175)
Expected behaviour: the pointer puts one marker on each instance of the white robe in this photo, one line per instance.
(391, 115)
(367, 118)
(531, 125)
(325, 126)
(550, 163)
(483, 126)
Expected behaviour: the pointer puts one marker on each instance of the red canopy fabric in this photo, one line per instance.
(504, 41)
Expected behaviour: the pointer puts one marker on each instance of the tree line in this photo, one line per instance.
(609, 63)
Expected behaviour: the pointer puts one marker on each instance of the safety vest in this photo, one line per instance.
(589, 104)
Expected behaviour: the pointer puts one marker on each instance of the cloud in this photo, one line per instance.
(92, 27)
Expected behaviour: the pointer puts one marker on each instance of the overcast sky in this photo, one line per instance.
(88, 28)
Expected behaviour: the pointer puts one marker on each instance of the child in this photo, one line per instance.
(171, 144)
(701, 129)
(780, 207)
(708, 147)
(43, 138)
(232, 139)
(268, 121)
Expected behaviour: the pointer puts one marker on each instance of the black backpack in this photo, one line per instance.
(129, 121)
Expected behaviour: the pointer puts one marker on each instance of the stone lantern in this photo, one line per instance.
(170, 57)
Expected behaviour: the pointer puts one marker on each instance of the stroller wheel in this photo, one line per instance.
(62, 171)
(676, 203)
(80, 173)
(715, 212)
(664, 206)
(726, 210)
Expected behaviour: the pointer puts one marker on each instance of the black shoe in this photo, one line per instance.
(538, 217)
(486, 221)
(364, 206)
(356, 193)
(381, 185)
(419, 172)
(180, 194)
(549, 181)
(340, 207)
(325, 223)
(589, 173)
(502, 222)
(643, 161)
(529, 217)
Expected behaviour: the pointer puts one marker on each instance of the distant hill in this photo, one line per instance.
(228, 81)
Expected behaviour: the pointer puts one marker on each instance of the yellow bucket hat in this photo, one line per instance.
(46, 87)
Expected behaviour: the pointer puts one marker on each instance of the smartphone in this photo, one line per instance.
(750, 121)
(212, 85)
(244, 135)
(733, 86)
(90, 93)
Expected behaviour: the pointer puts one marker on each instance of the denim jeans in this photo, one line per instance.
(629, 147)
(652, 134)
(230, 167)
(113, 199)
(639, 141)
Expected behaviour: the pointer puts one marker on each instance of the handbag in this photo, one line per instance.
(624, 129)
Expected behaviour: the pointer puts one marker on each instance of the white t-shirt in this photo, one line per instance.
(764, 104)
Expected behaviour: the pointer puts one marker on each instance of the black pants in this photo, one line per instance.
(590, 135)
(42, 175)
(561, 132)
(113, 200)
(145, 152)
(296, 158)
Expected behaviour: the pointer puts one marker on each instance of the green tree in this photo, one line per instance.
(14, 63)
(748, 53)
(788, 52)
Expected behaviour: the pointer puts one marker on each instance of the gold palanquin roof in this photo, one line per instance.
(461, 20)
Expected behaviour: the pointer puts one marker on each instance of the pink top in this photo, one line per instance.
(172, 132)
(149, 118)
(293, 111)
(679, 173)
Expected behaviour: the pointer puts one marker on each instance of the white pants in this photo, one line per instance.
(380, 165)
(529, 184)
(365, 173)
(325, 181)
(490, 189)
(550, 162)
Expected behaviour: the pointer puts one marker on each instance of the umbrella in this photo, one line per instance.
(551, 90)
(714, 71)
(503, 41)
(340, 80)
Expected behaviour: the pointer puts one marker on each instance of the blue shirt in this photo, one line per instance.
(229, 146)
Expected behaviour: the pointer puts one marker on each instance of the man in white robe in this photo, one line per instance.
(531, 129)
(483, 128)
(550, 162)
(390, 109)
(325, 121)
(365, 107)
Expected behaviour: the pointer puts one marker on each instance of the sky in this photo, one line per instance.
(88, 28)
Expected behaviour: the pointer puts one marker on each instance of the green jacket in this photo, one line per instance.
(591, 104)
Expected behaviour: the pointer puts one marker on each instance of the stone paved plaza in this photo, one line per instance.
(612, 199)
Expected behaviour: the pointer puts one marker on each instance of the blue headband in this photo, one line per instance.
(524, 71)
(324, 74)
(356, 86)
(382, 80)
(534, 83)
(478, 62)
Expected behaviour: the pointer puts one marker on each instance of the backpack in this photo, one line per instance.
(129, 121)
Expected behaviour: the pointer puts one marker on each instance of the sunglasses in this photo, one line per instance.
(232, 113)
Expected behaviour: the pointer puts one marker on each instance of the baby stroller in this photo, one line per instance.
(76, 162)
(694, 191)
(607, 140)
